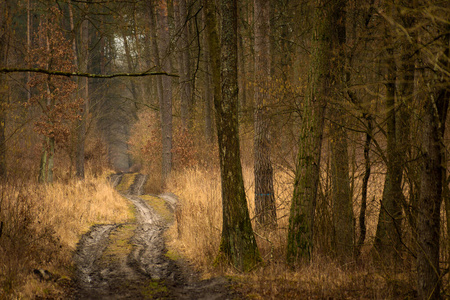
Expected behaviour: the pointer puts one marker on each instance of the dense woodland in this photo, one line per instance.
(324, 120)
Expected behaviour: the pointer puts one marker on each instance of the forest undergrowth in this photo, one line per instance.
(41, 225)
(196, 233)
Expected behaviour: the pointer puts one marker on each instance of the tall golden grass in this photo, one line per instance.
(43, 223)
(198, 222)
(197, 228)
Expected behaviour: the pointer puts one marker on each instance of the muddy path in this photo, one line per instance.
(130, 261)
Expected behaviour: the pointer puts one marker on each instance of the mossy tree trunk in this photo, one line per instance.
(238, 245)
(301, 219)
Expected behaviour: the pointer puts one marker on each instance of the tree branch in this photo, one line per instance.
(81, 74)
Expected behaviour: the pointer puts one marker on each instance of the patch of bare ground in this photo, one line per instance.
(131, 261)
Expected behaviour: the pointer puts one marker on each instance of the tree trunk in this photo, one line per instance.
(301, 219)
(389, 227)
(264, 193)
(4, 41)
(431, 189)
(365, 183)
(185, 66)
(209, 91)
(428, 223)
(42, 178)
(340, 180)
(238, 244)
(81, 126)
(343, 218)
(165, 104)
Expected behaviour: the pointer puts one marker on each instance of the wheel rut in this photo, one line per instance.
(129, 261)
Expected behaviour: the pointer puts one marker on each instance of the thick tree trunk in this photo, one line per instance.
(433, 174)
(301, 219)
(430, 199)
(238, 244)
(264, 193)
(343, 217)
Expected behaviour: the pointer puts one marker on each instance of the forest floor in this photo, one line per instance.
(131, 261)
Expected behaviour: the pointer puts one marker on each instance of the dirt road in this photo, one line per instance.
(130, 261)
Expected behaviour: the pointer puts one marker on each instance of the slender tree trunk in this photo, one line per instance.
(238, 244)
(29, 42)
(164, 103)
(185, 66)
(50, 159)
(301, 219)
(365, 183)
(389, 227)
(4, 41)
(263, 171)
(81, 126)
(130, 65)
(42, 178)
(209, 91)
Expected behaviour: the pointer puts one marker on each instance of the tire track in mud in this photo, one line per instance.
(128, 261)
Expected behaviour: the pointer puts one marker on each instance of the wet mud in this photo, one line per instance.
(129, 261)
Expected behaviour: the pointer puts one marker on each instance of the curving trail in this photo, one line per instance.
(128, 261)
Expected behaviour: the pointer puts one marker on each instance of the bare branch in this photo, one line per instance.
(81, 74)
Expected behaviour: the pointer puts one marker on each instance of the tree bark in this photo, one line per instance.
(388, 241)
(264, 193)
(83, 60)
(4, 41)
(185, 67)
(165, 103)
(343, 217)
(238, 244)
(431, 187)
(301, 219)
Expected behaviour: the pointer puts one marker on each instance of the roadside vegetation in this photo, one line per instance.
(196, 234)
(41, 225)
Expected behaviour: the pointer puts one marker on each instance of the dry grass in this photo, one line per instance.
(43, 223)
(196, 233)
